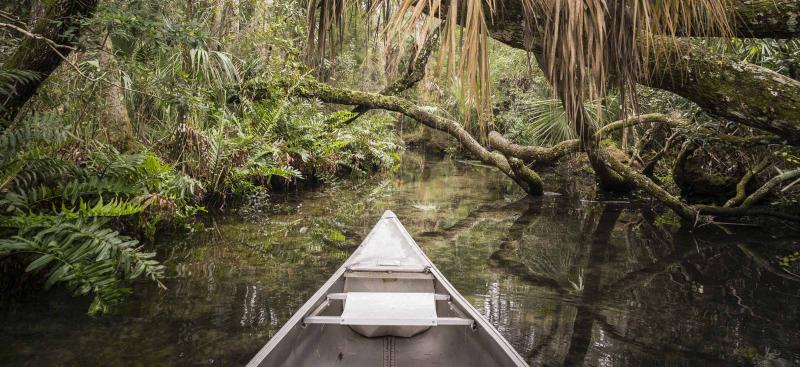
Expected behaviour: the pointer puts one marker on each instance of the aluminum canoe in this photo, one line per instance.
(387, 306)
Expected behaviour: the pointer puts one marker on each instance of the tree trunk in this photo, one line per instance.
(722, 86)
(767, 18)
(37, 11)
(114, 120)
(731, 89)
(236, 15)
(61, 25)
(217, 28)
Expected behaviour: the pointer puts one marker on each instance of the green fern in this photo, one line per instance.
(116, 207)
(86, 256)
(60, 210)
(11, 77)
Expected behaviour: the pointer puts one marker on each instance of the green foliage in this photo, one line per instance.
(788, 260)
(668, 220)
(9, 77)
(528, 113)
(69, 196)
(84, 254)
(57, 211)
(543, 122)
(780, 55)
(791, 158)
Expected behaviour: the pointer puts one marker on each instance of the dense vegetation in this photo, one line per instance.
(146, 124)
(123, 118)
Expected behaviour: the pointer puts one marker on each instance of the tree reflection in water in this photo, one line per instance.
(567, 281)
(659, 298)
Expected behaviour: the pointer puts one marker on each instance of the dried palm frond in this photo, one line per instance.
(592, 44)
(324, 26)
(588, 45)
(464, 50)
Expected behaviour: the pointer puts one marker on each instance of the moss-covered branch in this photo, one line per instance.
(762, 191)
(741, 187)
(521, 174)
(533, 154)
(734, 90)
(684, 211)
(547, 155)
(766, 18)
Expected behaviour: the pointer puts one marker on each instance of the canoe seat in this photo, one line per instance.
(388, 313)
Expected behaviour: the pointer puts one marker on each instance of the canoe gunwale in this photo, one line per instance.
(318, 302)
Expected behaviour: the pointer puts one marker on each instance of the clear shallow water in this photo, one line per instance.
(568, 280)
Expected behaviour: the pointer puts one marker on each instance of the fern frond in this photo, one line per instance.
(114, 208)
(86, 256)
(9, 78)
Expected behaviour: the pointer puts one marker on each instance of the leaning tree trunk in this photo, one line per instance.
(54, 36)
(236, 15)
(722, 86)
(217, 26)
(731, 89)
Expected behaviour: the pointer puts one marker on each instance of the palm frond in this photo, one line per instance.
(589, 45)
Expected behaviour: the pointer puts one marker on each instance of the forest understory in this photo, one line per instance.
(122, 119)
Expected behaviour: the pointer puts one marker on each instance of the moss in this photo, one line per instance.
(669, 220)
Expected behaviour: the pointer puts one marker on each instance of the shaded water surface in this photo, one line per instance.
(568, 279)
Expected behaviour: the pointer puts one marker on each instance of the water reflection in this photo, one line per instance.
(625, 292)
(567, 279)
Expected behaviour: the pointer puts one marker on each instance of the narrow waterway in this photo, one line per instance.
(568, 278)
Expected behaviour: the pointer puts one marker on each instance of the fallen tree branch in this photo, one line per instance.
(525, 177)
(684, 211)
(696, 214)
(741, 187)
(641, 119)
(650, 166)
(533, 154)
(539, 155)
(765, 189)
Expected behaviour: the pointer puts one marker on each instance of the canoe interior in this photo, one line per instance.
(337, 345)
(378, 327)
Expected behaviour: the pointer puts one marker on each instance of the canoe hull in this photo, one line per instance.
(301, 344)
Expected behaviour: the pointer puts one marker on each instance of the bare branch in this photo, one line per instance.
(539, 155)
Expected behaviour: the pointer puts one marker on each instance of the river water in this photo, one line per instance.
(569, 278)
